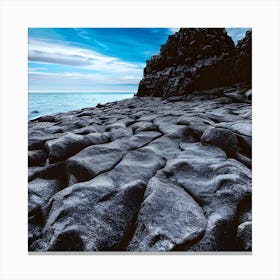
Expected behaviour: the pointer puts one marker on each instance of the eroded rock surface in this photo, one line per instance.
(162, 175)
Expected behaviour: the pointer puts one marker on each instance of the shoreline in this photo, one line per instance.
(185, 97)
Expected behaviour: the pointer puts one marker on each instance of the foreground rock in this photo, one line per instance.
(143, 174)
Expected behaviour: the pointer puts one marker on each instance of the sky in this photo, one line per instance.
(94, 59)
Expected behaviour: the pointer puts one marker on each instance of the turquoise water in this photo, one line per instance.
(48, 103)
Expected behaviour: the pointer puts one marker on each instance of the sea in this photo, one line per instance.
(49, 103)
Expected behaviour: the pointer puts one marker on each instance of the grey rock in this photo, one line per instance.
(221, 138)
(169, 217)
(46, 119)
(92, 161)
(166, 146)
(70, 144)
(38, 142)
(244, 235)
(140, 164)
(202, 170)
(120, 133)
(98, 159)
(143, 126)
(91, 218)
(34, 172)
(196, 124)
(54, 171)
(244, 127)
(243, 159)
(141, 139)
(40, 191)
(248, 94)
(220, 234)
(36, 157)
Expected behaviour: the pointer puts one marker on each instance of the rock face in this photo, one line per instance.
(149, 174)
(197, 59)
(176, 177)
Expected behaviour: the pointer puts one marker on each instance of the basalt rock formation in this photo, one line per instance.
(197, 59)
(149, 174)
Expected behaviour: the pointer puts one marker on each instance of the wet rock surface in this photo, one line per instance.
(143, 174)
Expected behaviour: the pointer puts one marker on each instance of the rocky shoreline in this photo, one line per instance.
(168, 171)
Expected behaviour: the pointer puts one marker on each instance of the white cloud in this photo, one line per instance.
(50, 51)
(77, 77)
(109, 69)
(58, 58)
(83, 34)
(101, 45)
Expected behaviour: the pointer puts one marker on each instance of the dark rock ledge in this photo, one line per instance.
(145, 174)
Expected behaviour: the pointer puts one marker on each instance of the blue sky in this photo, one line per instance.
(94, 59)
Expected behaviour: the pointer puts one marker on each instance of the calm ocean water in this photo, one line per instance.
(49, 103)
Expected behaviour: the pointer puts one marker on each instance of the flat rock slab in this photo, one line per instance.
(142, 174)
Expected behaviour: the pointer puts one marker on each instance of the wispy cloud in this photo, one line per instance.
(82, 33)
(58, 58)
(110, 69)
(94, 78)
(101, 45)
(62, 53)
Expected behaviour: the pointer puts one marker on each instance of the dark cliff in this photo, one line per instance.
(197, 59)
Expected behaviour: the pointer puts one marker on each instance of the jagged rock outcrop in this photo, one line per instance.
(197, 59)
(143, 174)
